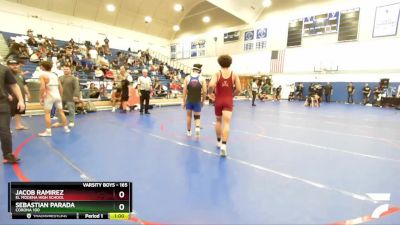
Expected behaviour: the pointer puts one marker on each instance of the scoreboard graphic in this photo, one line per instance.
(321, 24)
(70, 200)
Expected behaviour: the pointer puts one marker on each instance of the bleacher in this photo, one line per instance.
(84, 78)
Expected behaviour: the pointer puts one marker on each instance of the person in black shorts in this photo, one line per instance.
(124, 89)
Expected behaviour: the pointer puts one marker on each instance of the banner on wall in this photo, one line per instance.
(248, 40)
(231, 36)
(249, 35)
(255, 39)
(198, 48)
(173, 51)
(386, 20)
(262, 33)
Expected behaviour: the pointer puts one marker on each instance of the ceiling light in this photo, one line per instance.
(148, 19)
(176, 28)
(178, 7)
(267, 3)
(110, 7)
(206, 19)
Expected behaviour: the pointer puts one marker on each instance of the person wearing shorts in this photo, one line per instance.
(194, 94)
(50, 89)
(124, 89)
(226, 85)
(15, 68)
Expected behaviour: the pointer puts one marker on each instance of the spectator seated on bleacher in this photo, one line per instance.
(90, 60)
(160, 90)
(103, 92)
(35, 57)
(93, 91)
(265, 92)
(32, 42)
(103, 64)
(114, 64)
(98, 73)
(175, 89)
(109, 75)
(13, 50)
(87, 64)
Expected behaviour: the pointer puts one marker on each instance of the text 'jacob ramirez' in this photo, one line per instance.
(39, 195)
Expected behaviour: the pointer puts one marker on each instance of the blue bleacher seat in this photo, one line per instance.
(31, 67)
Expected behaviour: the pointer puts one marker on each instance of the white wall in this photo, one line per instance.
(16, 18)
(243, 64)
(367, 59)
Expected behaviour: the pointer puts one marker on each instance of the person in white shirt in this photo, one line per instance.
(254, 91)
(50, 89)
(145, 87)
(93, 53)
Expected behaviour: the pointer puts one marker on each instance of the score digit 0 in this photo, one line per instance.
(121, 194)
(121, 207)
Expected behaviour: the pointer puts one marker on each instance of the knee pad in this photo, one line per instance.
(196, 117)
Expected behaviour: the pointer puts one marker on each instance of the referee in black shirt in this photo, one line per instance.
(7, 79)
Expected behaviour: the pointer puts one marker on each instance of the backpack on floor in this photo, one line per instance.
(90, 107)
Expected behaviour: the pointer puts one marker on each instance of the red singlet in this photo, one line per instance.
(224, 94)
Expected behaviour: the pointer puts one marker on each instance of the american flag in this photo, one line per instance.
(277, 61)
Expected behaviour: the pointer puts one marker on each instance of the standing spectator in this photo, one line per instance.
(145, 87)
(366, 93)
(7, 80)
(29, 32)
(71, 42)
(32, 41)
(350, 92)
(328, 91)
(93, 53)
(70, 94)
(103, 92)
(124, 89)
(224, 82)
(254, 91)
(319, 89)
(97, 45)
(299, 91)
(278, 93)
(377, 95)
(291, 92)
(14, 67)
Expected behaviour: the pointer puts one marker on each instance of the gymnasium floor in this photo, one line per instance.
(287, 164)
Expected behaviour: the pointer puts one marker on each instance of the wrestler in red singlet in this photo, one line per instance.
(223, 94)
